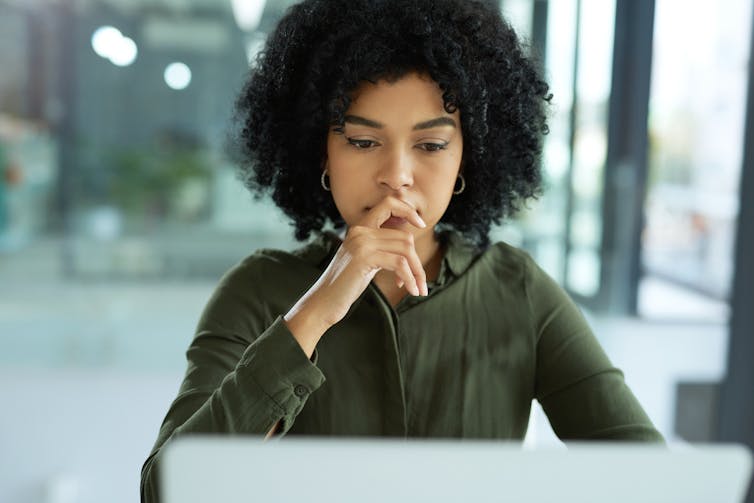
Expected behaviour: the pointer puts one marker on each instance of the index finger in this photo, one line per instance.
(395, 208)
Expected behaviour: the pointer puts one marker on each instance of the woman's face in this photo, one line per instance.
(397, 140)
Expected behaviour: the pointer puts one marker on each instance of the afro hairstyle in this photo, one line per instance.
(299, 84)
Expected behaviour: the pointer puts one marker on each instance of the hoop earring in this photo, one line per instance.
(322, 181)
(463, 184)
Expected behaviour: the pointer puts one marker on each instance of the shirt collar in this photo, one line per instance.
(459, 253)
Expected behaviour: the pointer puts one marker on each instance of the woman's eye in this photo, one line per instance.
(433, 147)
(361, 144)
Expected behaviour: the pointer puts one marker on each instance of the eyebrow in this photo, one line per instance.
(363, 121)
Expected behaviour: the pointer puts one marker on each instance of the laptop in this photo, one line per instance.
(244, 469)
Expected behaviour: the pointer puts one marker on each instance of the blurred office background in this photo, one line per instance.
(119, 211)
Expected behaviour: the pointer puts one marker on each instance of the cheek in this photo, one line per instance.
(337, 153)
(445, 170)
(438, 189)
(340, 159)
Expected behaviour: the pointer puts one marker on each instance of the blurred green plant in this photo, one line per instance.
(151, 184)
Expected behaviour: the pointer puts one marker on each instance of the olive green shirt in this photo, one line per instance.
(466, 361)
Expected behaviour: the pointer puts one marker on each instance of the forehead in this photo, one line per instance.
(411, 96)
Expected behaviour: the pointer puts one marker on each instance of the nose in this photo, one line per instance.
(396, 171)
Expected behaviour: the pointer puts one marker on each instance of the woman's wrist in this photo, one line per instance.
(306, 322)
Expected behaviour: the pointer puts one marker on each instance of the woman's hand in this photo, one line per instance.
(366, 249)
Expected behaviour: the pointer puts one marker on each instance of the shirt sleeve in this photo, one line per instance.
(242, 375)
(584, 396)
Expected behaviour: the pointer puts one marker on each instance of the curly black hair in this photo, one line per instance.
(299, 87)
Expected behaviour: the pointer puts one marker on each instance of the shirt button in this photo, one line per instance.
(300, 390)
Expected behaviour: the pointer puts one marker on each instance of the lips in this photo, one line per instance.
(394, 222)
(367, 208)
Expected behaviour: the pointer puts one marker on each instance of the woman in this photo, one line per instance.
(412, 127)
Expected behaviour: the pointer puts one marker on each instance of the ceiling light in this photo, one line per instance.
(177, 76)
(247, 13)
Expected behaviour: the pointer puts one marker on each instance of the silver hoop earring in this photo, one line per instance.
(463, 184)
(322, 181)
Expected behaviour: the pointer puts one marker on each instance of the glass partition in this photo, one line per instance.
(563, 230)
(696, 125)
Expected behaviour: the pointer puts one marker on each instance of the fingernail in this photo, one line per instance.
(425, 289)
(420, 220)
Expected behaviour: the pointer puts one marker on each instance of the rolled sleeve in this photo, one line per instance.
(278, 366)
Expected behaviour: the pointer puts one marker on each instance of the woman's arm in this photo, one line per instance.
(305, 323)
(242, 376)
(584, 396)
